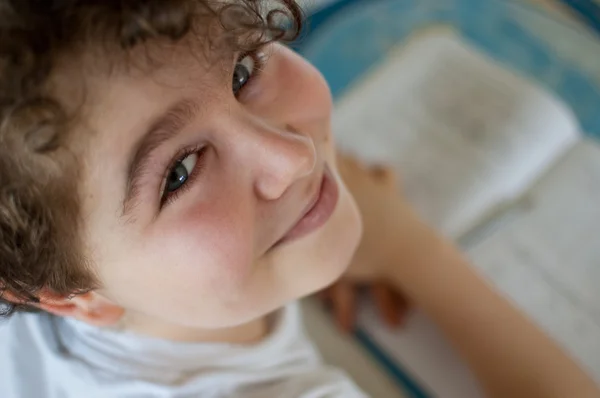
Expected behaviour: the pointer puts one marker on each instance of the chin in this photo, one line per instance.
(343, 240)
(323, 257)
(307, 265)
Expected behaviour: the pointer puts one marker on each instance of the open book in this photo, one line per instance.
(476, 143)
(468, 135)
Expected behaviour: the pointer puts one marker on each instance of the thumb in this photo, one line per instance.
(343, 304)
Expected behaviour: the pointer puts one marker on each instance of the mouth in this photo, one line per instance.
(318, 212)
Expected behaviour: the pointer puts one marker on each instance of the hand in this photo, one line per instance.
(379, 200)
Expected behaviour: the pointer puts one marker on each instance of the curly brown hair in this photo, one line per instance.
(41, 248)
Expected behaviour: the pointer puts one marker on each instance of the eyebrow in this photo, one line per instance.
(160, 130)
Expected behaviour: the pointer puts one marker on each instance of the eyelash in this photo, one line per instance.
(259, 59)
(168, 198)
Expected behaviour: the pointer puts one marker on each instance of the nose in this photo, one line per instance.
(280, 158)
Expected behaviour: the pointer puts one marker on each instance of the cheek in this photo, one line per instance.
(310, 86)
(192, 267)
(295, 88)
(214, 247)
(309, 91)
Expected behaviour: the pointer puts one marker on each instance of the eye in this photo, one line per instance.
(242, 72)
(180, 173)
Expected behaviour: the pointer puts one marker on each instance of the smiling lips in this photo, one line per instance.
(318, 212)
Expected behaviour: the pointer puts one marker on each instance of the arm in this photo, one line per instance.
(510, 356)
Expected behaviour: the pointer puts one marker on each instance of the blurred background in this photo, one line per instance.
(490, 111)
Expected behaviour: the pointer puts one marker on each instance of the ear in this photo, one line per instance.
(92, 308)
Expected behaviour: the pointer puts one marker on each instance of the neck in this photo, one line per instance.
(248, 333)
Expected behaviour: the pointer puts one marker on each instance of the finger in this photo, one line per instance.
(324, 298)
(387, 175)
(323, 295)
(343, 304)
(383, 173)
(403, 306)
(349, 161)
(386, 303)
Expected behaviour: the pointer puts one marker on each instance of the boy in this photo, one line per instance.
(169, 184)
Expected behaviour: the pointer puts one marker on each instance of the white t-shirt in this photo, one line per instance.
(42, 356)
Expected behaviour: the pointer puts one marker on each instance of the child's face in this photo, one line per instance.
(192, 195)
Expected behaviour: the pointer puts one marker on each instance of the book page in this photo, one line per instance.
(548, 258)
(465, 134)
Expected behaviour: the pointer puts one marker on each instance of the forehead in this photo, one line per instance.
(106, 91)
(115, 99)
(149, 80)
